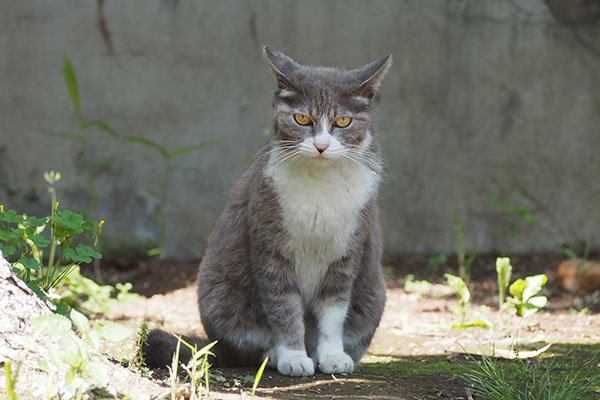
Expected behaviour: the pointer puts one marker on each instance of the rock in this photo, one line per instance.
(20, 342)
(578, 275)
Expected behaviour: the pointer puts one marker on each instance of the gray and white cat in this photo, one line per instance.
(292, 269)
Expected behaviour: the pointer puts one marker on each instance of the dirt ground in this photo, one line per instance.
(415, 354)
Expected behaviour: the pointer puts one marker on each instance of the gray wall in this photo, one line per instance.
(486, 100)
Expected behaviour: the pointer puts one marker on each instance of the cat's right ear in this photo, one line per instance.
(280, 65)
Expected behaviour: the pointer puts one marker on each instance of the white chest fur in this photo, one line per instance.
(320, 206)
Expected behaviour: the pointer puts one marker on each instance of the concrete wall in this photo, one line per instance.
(490, 99)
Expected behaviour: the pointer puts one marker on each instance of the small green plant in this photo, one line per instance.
(162, 195)
(197, 369)
(434, 262)
(138, 361)
(23, 240)
(413, 286)
(504, 271)
(524, 301)
(92, 165)
(87, 296)
(75, 367)
(517, 379)
(513, 214)
(465, 261)
(464, 296)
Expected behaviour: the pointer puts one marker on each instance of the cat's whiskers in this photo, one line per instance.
(348, 157)
(285, 156)
(374, 161)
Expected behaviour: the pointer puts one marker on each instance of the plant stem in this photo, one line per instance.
(53, 240)
(91, 174)
(162, 217)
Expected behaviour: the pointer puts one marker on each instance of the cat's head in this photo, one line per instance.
(323, 113)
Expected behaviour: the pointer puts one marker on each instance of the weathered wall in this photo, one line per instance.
(491, 99)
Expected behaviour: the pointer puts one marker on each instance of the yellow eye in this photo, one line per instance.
(302, 119)
(342, 122)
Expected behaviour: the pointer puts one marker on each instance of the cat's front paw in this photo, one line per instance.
(295, 363)
(336, 363)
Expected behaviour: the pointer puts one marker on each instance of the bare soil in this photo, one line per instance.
(415, 354)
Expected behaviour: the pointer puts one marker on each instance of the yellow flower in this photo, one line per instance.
(1, 208)
(100, 224)
(56, 206)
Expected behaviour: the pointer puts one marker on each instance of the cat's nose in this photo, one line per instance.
(321, 147)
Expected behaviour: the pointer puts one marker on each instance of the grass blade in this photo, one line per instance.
(259, 376)
(10, 382)
(186, 168)
(187, 149)
(102, 126)
(71, 82)
(103, 163)
(148, 143)
(65, 135)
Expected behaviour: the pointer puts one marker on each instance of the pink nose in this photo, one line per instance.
(321, 146)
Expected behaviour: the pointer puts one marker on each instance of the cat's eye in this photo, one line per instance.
(342, 122)
(302, 119)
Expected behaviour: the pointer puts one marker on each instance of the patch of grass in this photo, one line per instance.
(548, 379)
(571, 371)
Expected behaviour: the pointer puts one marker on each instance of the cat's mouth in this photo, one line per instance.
(321, 157)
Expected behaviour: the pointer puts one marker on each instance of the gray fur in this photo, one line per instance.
(248, 293)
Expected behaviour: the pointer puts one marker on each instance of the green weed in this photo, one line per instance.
(47, 254)
(434, 262)
(82, 136)
(413, 286)
(137, 362)
(465, 261)
(464, 296)
(75, 366)
(514, 214)
(87, 296)
(162, 195)
(504, 271)
(524, 301)
(24, 238)
(197, 370)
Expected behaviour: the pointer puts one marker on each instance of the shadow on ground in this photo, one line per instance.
(420, 377)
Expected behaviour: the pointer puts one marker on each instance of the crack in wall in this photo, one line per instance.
(104, 32)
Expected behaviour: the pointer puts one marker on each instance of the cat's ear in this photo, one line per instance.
(370, 76)
(281, 66)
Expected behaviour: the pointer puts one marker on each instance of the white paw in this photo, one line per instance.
(295, 363)
(336, 363)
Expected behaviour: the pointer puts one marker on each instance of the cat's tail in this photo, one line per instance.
(160, 347)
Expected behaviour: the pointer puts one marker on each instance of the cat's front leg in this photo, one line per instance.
(331, 310)
(330, 355)
(283, 306)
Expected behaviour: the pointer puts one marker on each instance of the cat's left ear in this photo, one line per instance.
(281, 66)
(370, 76)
